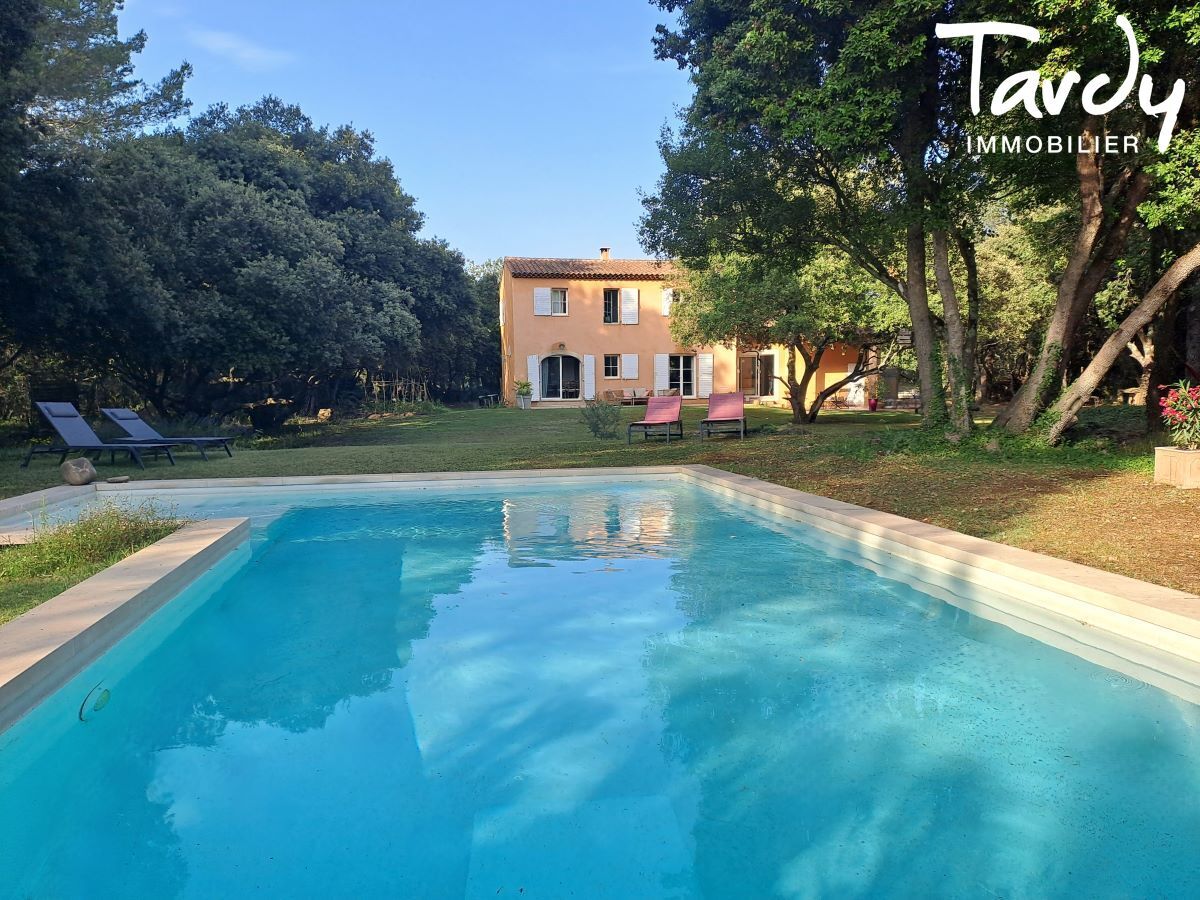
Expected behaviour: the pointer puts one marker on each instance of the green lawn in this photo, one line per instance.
(67, 554)
(1093, 502)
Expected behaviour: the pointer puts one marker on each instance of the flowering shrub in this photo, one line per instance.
(1181, 412)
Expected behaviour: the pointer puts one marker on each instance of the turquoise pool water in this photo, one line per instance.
(621, 692)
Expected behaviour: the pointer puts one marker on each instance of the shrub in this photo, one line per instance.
(1181, 412)
(602, 419)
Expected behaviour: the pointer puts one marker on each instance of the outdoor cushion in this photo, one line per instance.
(61, 410)
(726, 407)
(662, 410)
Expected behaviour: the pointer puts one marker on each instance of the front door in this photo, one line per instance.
(748, 375)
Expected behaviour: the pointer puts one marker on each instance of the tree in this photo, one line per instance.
(82, 87)
(66, 90)
(828, 301)
(835, 124)
(1113, 193)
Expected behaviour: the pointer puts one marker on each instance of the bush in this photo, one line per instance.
(602, 419)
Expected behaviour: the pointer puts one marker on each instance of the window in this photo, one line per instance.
(681, 374)
(558, 301)
(612, 306)
(612, 364)
(560, 378)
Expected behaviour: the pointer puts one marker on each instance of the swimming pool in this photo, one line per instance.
(628, 690)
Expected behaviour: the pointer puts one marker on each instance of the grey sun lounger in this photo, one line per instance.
(76, 435)
(138, 430)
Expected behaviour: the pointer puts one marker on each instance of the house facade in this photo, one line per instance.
(583, 329)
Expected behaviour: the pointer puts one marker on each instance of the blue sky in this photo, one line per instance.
(522, 128)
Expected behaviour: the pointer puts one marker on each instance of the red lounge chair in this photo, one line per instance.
(726, 414)
(661, 412)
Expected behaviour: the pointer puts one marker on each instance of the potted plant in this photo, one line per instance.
(524, 394)
(1180, 464)
(873, 394)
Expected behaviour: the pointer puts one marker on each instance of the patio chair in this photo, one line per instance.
(77, 436)
(661, 412)
(726, 415)
(138, 430)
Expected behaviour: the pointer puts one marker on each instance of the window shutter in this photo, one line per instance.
(535, 377)
(629, 366)
(589, 378)
(705, 385)
(541, 301)
(668, 296)
(629, 306)
(662, 371)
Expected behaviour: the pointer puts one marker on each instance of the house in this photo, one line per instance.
(583, 329)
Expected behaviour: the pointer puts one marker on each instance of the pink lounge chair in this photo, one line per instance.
(661, 412)
(726, 414)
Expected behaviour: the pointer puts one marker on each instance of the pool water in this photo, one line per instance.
(624, 692)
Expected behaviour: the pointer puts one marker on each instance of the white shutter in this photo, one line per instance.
(706, 374)
(541, 301)
(662, 371)
(629, 306)
(629, 366)
(589, 378)
(668, 296)
(535, 377)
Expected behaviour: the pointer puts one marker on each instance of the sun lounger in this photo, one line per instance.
(138, 430)
(726, 414)
(75, 435)
(661, 412)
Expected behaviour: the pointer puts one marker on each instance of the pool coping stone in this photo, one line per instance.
(44, 648)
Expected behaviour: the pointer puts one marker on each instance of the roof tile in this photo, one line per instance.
(537, 267)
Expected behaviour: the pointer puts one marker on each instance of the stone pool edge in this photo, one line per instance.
(44, 648)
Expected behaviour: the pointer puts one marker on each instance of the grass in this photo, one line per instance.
(64, 555)
(1093, 502)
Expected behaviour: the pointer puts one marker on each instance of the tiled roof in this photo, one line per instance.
(534, 267)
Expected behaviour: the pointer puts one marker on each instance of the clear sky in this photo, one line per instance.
(523, 127)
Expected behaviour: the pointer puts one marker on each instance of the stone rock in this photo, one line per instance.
(953, 438)
(324, 415)
(78, 471)
(992, 446)
(374, 417)
(118, 479)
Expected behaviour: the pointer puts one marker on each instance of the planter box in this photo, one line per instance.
(524, 402)
(1178, 467)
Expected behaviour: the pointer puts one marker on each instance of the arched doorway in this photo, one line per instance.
(560, 378)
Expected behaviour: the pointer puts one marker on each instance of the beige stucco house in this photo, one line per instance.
(582, 329)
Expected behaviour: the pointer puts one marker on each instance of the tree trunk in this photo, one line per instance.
(1092, 256)
(918, 133)
(798, 389)
(1141, 348)
(961, 380)
(966, 249)
(929, 370)
(1068, 405)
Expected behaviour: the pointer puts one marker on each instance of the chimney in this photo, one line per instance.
(604, 252)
